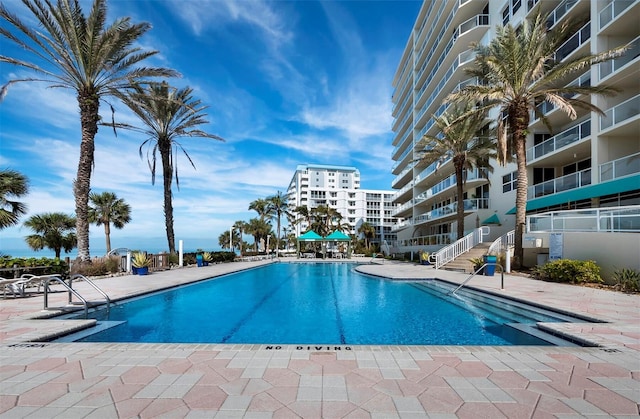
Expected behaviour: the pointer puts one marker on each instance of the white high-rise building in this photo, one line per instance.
(592, 161)
(338, 187)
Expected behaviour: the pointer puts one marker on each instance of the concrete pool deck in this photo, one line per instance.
(113, 380)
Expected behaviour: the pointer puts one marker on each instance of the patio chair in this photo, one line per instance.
(6, 285)
(29, 280)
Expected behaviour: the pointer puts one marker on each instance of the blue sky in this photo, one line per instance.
(286, 82)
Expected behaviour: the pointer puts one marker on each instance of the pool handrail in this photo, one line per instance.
(496, 264)
(71, 291)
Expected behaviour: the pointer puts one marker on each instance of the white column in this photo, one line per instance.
(180, 253)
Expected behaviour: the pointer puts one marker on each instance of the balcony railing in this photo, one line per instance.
(617, 219)
(626, 110)
(631, 54)
(574, 42)
(560, 140)
(452, 208)
(622, 167)
(612, 11)
(564, 183)
(432, 240)
(449, 182)
(557, 13)
(401, 174)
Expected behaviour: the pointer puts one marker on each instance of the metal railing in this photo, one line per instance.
(73, 292)
(449, 253)
(626, 110)
(612, 11)
(502, 243)
(560, 140)
(480, 269)
(621, 167)
(610, 220)
(564, 183)
(611, 66)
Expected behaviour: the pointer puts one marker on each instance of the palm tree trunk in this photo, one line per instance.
(520, 123)
(459, 201)
(89, 107)
(167, 178)
(107, 235)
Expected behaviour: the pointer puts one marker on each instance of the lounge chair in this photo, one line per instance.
(29, 280)
(7, 285)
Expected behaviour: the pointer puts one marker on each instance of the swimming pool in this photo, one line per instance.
(315, 303)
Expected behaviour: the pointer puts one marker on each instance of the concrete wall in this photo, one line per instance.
(611, 251)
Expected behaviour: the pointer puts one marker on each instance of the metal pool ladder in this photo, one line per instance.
(71, 291)
(496, 264)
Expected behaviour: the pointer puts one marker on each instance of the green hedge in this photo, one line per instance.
(216, 257)
(568, 271)
(35, 266)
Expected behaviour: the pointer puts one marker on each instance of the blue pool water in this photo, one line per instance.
(308, 303)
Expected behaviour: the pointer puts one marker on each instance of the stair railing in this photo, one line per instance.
(71, 291)
(503, 242)
(455, 249)
(480, 269)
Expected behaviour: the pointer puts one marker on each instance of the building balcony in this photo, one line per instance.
(614, 9)
(404, 175)
(450, 210)
(621, 114)
(572, 44)
(618, 168)
(559, 12)
(559, 141)
(404, 194)
(561, 184)
(614, 66)
(451, 182)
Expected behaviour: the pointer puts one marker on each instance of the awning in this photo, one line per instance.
(492, 220)
(337, 236)
(626, 184)
(310, 236)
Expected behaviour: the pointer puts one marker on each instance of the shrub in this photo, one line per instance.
(95, 268)
(568, 271)
(35, 266)
(627, 279)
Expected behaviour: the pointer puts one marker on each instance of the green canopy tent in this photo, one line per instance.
(339, 236)
(336, 236)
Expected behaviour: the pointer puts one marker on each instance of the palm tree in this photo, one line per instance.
(277, 206)
(324, 218)
(54, 230)
(464, 140)
(261, 206)
(12, 184)
(368, 231)
(106, 209)
(240, 226)
(167, 114)
(259, 229)
(302, 214)
(517, 71)
(81, 53)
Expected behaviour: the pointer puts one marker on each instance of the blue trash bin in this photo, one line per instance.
(199, 260)
(490, 269)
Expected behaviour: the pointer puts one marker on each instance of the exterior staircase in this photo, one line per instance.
(462, 264)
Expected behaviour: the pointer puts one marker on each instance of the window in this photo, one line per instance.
(505, 16)
(515, 6)
(509, 182)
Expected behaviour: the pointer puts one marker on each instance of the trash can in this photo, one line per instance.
(490, 269)
(199, 260)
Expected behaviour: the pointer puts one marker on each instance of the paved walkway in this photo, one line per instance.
(98, 380)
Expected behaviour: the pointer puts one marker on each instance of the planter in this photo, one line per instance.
(490, 269)
(142, 271)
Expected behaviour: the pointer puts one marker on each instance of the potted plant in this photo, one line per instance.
(477, 264)
(206, 258)
(140, 262)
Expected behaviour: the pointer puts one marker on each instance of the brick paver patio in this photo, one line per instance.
(100, 380)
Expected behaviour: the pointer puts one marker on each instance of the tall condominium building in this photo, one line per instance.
(592, 161)
(338, 187)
